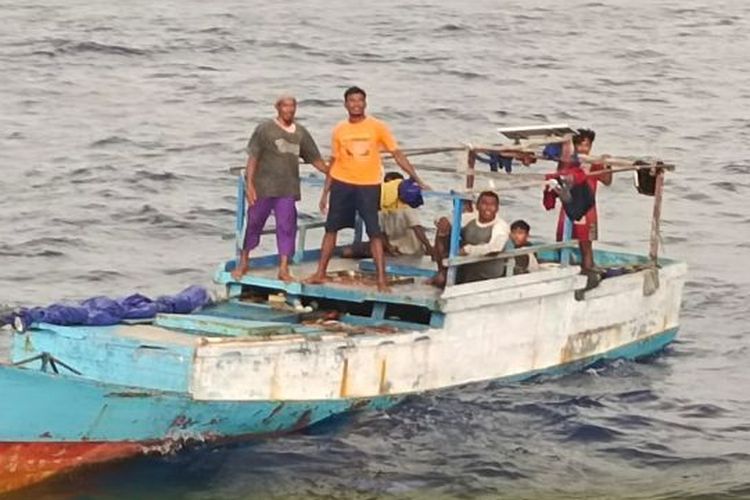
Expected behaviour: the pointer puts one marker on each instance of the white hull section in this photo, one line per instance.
(494, 329)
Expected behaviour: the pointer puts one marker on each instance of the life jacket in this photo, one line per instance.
(389, 195)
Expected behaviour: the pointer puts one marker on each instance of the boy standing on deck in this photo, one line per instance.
(586, 229)
(272, 182)
(354, 181)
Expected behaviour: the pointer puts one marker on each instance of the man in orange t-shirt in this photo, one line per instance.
(353, 181)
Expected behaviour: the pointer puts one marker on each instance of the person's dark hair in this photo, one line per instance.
(491, 194)
(520, 224)
(354, 90)
(584, 133)
(392, 176)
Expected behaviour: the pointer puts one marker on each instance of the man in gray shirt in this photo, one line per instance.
(273, 183)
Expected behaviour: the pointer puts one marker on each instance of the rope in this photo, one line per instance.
(47, 360)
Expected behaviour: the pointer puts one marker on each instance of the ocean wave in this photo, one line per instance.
(151, 175)
(738, 168)
(593, 433)
(98, 275)
(21, 251)
(464, 74)
(452, 27)
(70, 47)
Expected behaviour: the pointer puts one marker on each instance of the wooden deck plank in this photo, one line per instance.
(230, 327)
(157, 335)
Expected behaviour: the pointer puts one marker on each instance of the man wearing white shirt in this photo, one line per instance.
(483, 232)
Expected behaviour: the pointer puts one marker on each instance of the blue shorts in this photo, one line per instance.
(349, 200)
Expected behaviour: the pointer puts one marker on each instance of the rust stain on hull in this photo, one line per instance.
(580, 345)
(23, 464)
(344, 388)
(383, 386)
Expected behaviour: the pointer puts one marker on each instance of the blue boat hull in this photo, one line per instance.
(77, 409)
(52, 423)
(83, 421)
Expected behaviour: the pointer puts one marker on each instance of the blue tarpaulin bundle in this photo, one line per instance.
(101, 311)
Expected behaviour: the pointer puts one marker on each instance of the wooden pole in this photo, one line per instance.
(656, 218)
(240, 215)
(508, 254)
(429, 150)
(470, 164)
(455, 241)
(651, 275)
(565, 253)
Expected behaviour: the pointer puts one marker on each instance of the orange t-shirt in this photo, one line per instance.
(356, 148)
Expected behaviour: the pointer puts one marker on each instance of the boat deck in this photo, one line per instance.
(353, 280)
(154, 354)
(262, 312)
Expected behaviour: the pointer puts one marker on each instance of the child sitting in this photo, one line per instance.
(519, 237)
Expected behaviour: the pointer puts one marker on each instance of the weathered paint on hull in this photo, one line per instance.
(182, 387)
(492, 330)
(635, 350)
(24, 464)
(44, 407)
(54, 423)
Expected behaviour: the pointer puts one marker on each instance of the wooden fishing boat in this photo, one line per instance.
(274, 357)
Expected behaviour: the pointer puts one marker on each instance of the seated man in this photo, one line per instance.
(483, 232)
(519, 238)
(403, 234)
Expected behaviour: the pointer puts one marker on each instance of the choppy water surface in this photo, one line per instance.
(118, 123)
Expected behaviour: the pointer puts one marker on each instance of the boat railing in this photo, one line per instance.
(510, 254)
(455, 260)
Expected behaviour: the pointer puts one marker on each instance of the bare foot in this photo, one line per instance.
(383, 287)
(285, 276)
(315, 279)
(239, 272)
(438, 280)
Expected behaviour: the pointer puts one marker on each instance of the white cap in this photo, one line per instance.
(286, 96)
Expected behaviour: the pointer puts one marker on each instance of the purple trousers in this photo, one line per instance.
(285, 212)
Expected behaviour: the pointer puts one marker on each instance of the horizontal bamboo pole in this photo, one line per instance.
(471, 259)
(526, 179)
